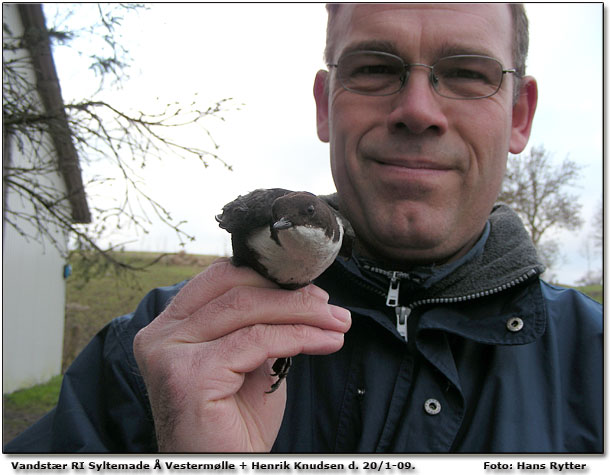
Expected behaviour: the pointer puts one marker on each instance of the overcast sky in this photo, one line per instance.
(265, 57)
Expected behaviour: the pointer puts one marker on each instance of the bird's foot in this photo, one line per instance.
(280, 369)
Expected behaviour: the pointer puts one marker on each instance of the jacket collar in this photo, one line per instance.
(503, 259)
(420, 278)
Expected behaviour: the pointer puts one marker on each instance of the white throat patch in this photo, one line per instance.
(305, 253)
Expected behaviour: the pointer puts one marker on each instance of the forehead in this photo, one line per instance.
(424, 32)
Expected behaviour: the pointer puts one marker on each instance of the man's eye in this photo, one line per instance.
(463, 74)
(373, 70)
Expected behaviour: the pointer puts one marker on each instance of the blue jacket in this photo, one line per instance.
(478, 356)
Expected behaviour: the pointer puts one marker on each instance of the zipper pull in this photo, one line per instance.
(393, 292)
(402, 314)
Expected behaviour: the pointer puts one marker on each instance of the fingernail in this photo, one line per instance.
(340, 313)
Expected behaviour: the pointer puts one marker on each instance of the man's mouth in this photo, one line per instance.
(412, 164)
(412, 167)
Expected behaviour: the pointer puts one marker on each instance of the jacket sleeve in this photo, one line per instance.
(102, 406)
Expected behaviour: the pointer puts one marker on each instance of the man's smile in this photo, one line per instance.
(408, 169)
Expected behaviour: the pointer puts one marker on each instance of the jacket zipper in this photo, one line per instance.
(403, 312)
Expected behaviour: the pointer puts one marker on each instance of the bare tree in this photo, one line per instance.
(592, 247)
(101, 132)
(597, 233)
(538, 190)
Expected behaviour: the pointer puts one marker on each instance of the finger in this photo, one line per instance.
(245, 306)
(247, 349)
(217, 279)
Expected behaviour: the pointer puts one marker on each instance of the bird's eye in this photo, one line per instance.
(311, 209)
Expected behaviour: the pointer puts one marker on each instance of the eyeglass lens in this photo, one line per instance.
(377, 73)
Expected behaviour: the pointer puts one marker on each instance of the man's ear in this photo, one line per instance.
(523, 115)
(320, 92)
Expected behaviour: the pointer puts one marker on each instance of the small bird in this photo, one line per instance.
(288, 237)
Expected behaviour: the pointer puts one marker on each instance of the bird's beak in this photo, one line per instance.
(282, 223)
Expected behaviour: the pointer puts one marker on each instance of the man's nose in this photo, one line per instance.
(417, 108)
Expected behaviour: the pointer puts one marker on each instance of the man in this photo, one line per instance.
(436, 336)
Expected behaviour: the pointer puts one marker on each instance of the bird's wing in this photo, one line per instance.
(249, 211)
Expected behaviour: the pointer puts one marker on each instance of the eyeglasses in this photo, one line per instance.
(375, 73)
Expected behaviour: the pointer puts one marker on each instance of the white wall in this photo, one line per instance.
(33, 306)
(33, 297)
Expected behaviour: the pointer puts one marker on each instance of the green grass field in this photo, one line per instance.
(91, 306)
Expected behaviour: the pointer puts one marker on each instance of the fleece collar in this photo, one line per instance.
(509, 256)
(502, 257)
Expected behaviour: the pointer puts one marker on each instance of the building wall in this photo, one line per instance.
(33, 311)
(33, 303)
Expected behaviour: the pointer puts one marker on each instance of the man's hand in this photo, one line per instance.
(206, 360)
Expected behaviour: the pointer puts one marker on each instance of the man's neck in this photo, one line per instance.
(398, 264)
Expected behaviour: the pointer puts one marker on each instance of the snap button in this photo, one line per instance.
(432, 406)
(514, 324)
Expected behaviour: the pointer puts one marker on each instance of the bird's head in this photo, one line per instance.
(300, 209)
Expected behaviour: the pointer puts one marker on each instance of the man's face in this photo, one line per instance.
(417, 173)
